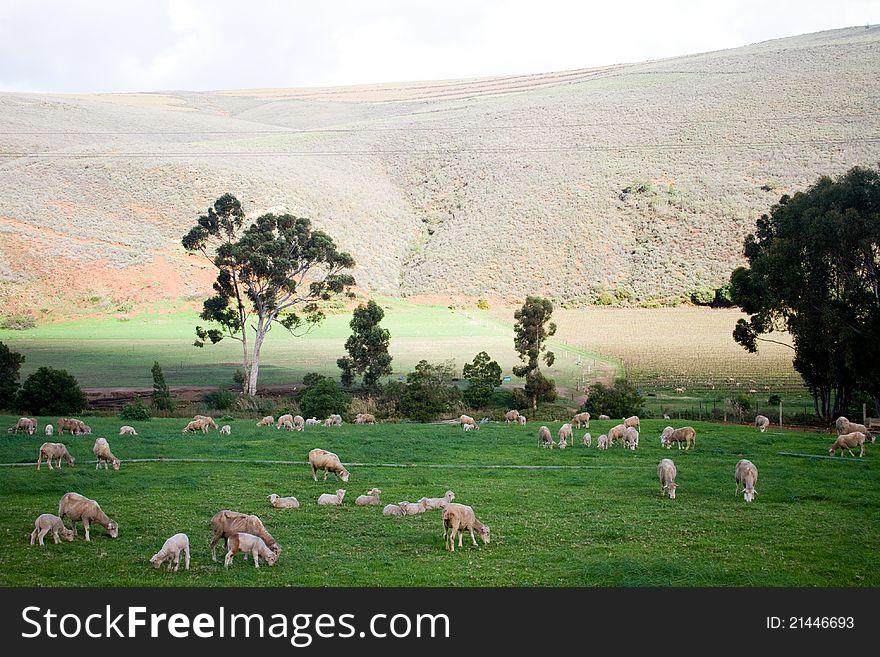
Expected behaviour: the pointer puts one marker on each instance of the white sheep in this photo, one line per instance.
(761, 423)
(564, 435)
(562, 442)
(522, 420)
(321, 459)
(313, 422)
(587, 440)
(170, 552)
(225, 430)
(439, 502)
(285, 421)
(469, 427)
(283, 502)
(845, 426)
(104, 455)
(545, 439)
(604, 417)
(602, 442)
(298, 422)
(467, 419)
(333, 500)
(746, 474)
(57, 451)
(80, 508)
(49, 429)
(847, 441)
(666, 472)
(266, 421)
(370, 499)
(49, 522)
(392, 510)
(460, 517)
(414, 508)
(630, 438)
(127, 431)
(250, 544)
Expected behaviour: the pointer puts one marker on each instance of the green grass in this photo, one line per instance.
(604, 525)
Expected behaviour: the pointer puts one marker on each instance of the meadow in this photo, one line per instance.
(600, 523)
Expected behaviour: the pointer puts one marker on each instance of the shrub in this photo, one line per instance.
(540, 387)
(618, 400)
(703, 296)
(51, 392)
(482, 304)
(323, 398)
(774, 400)
(254, 404)
(426, 395)
(136, 410)
(604, 299)
(161, 395)
(484, 375)
(722, 297)
(18, 322)
(219, 400)
(10, 366)
(519, 399)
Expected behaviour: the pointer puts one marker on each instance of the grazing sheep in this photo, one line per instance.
(630, 438)
(604, 417)
(72, 425)
(250, 544)
(467, 419)
(365, 418)
(80, 508)
(439, 502)
(746, 474)
(226, 524)
(225, 430)
(127, 431)
(49, 522)
(469, 427)
(634, 422)
(851, 427)
(49, 429)
(333, 421)
(333, 500)
(685, 435)
(587, 440)
(57, 451)
(313, 422)
(195, 425)
(544, 437)
(564, 434)
(666, 472)
(321, 459)
(298, 422)
(392, 510)
(761, 423)
(562, 442)
(456, 519)
(170, 552)
(414, 508)
(86, 430)
(104, 455)
(602, 442)
(581, 420)
(208, 421)
(370, 499)
(266, 421)
(847, 441)
(679, 391)
(24, 424)
(616, 433)
(285, 421)
(283, 502)
(522, 420)
(511, 416)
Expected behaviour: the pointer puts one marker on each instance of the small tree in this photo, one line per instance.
(323, 398)
(51, 392)
(484, 375)
(367, 347)
(161, 394)
(533, 327)
(618, 400)
(427, 393)
(10, 374)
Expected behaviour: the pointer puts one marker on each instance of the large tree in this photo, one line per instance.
(367, 347)
(814, 270)
(484, 375)
(10, 366)
(532, 328)
(276, 270)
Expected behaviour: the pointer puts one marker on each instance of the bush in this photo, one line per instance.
(618, 400)
(219, 400)
(703, 296)
(254, 404)
(18, 322)
(426, 395)
(161, 394)
(51, 392)
(10, 366)
(774, 400)
(518, 399)
(540, 387)
(482, 304)
(604, 299)
(722, 297)
(135, 411)
(324, 398)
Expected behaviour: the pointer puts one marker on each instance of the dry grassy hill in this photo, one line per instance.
(641, 178)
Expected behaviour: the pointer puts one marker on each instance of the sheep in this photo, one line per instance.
(439, 502)
(564, 435)
(365, 418)
(49, 522)
(73, 426)
(414, 508)
(666, 472)
(170, 552)
(127, 431)
(467, 419)
(522, 420)
(604, 417)
(850, 427)
(24, 424)
(457, 518)
(49, 429)
(544, 437)
(685, 435)
(469, 427)
(630, 438)
(761, 423)
(104, 455)
(680, 391)
(333, 421)
(602, 442)
(285, 421)
(587, 440)
(250, 544)
(562, 442)
(847, 441)
(208, 421)
(581, 420)
(313, 422)
(392, 510)
(80, 508)
(333, 500)
(511, 416)
(57, 451)
(370, 499)
(746, 474)
(634, 422)
(226, 524)
(321, 459)
(283, 502)
(225, 430)
(666, 416)
(616, 433)
(298, 422)
(195, 425)
(266, 421)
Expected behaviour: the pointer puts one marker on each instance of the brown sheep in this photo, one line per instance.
(226, 524)
(847, 441)
(581, 420)
(456, 519)
(685, 435)
(616, 433)
(49, 522)
(266, 421)
(545, 439)
(57, 451)
(250, 544)
(467, 419)
(104, 455)
(80, 508)
(511, 416)
(195, 425)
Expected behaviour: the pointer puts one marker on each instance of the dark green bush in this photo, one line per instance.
(323, 398)
(135, 411)
(704, 296)
(261, 405)
(219, 400)
(10, 366)
(51, 392)
(618, 400)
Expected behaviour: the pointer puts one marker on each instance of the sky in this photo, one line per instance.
(88, 46)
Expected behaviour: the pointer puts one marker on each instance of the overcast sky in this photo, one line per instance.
(150, 45)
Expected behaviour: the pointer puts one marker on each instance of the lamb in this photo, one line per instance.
(283, 502)
(414, 508)
(266, 421)
(604, 417)
(313, 422)
(298, 422)
(24, 424)
(562, 442)
(630, 438)
(226, 524)
(847, 441)
(581, 420)
(392, 510)
(170, 552)
(850, 427)
(511, 416)
(544, 437)
(127, 431)
(666, 472)
(49, 429)
(616, 433)
(370, 499)
(285, 421)
(685, 435)
(467, 419)
(208, 421)
(564, 435)
(602, 442)
(456, 519)
(439, 502)
(333, 500)
(333, 421)
(321, 459)
(761, 423)
(522, 420)
(49, 522)
(250, 544)
(57, 451)
(666, 416)
(225, 430)
(469, 427)
(634, 422)
(746, 474)
(195, 425)
(104, 455)
(588, 440)
(80, 508)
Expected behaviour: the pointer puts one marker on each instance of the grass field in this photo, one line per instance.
(602, 524)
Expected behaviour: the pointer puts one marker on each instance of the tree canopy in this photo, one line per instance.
(367, 347)
(532, 328)
(483, 375)
(10, 366)
(51, 392)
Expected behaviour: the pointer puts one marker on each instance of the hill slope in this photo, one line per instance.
(641, 177)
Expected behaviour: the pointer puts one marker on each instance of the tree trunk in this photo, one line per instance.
(255, 359)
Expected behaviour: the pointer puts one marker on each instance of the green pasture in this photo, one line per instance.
(601, 524)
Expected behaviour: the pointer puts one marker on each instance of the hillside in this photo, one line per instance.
(640, 178)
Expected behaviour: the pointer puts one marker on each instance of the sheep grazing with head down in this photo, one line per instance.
(49, 429)
(847, 441)
(581, 420)
(666, 472)
(206, 420)
(285, 421)
(456, 519)
(587, 440)
(685, 435)
(313, 422)
(321, 459)
(469, 427)
(104, 455)
(283, 502)
(762, 422)
(522, 420)
(746, 474)
(55, 451)
(298, 422)
(250, 544)
(267, 421)
(226, 524)
(616, 433)
(630, 438)
(195, 425)
(511, 416)
(78, 508)
(225, 430)
(602, 442)
(49, 522)
(467, 419)
(564, 435)
(370, 499)
(545, 439)
(170, 552)
(127, 431)
(25, 425)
